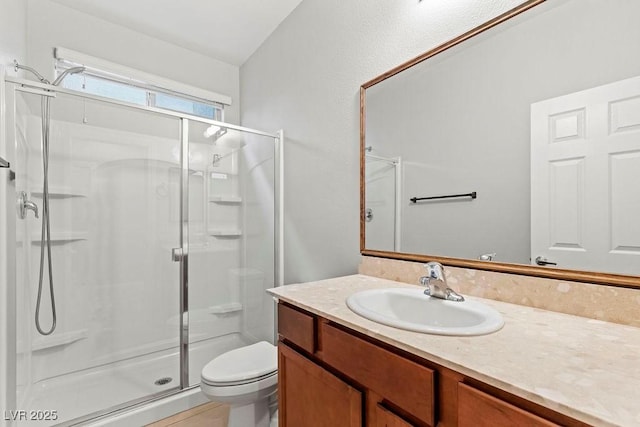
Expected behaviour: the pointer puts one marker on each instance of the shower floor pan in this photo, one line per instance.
(87, 392)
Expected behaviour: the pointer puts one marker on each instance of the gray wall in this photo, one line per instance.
(305, 78)
(13, 31)
(52, 25)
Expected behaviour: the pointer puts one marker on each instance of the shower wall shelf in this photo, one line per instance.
(60, 192)
(222, 174)
(225, 199)
(231, 307)
(59, 340)
(226, 233)
(61, 236)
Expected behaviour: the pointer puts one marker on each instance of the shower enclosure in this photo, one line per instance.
(383, 203)
(163, 237)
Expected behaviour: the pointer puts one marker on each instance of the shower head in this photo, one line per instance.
(222, 138)
(214, 132)
(56, 82)
(39, 76)
(66, 72)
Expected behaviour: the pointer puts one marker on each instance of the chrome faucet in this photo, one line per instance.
(436, 283)
(25, 205)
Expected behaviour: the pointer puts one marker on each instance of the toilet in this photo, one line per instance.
(245, 378)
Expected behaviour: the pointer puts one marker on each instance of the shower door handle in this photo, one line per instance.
(4, 163)
(177, 254)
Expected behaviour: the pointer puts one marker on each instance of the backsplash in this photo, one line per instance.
(607, 303)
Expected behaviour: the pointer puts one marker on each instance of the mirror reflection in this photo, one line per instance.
(520, 145)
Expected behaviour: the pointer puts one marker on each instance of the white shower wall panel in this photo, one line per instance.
(211, 257)
(209, 273)
(109, 280)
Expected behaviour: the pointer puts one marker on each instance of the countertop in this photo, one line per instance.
(584, 368)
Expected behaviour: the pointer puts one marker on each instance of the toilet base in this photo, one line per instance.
(254, 414)
(274, 419)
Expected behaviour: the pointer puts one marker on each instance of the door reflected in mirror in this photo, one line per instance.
(540, 118)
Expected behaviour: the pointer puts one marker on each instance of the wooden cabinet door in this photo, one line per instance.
(310, 396)
(386, 418)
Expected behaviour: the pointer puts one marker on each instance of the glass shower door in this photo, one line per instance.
(231, 241)
(114, 186)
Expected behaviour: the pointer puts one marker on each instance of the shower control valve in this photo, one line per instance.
(25, 205)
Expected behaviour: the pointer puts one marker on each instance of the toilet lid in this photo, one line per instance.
(251, 362)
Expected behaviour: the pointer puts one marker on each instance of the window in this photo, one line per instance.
(108, 85)
(109, 89)
(176, 103)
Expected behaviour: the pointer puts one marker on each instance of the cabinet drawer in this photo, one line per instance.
(479, 409)
(297, 327)
(402, 382)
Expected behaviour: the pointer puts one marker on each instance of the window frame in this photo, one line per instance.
(101, 70)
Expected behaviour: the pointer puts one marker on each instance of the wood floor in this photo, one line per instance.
(208, 415)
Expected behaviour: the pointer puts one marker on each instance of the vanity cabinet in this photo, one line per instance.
(331, 376)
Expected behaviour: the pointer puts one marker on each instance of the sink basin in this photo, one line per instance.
(412, 310)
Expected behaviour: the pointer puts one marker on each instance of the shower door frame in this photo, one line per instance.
(180, 255)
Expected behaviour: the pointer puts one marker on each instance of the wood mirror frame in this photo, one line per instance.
(610, 279)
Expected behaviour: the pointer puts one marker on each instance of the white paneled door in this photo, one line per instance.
(585, 179)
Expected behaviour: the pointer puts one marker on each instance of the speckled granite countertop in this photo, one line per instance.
(586, 369)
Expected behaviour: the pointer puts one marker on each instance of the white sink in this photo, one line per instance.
(412, 310)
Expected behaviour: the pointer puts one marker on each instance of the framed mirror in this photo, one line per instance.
(514, 147)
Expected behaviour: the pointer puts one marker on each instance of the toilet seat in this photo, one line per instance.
(250, 390)
(240, 382)
(243, 365)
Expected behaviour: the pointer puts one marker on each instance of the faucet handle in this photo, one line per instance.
(436, 283)
(435, 270)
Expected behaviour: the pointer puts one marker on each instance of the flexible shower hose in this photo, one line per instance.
(45, 237)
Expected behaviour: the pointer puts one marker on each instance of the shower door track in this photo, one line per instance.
(119, 409)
